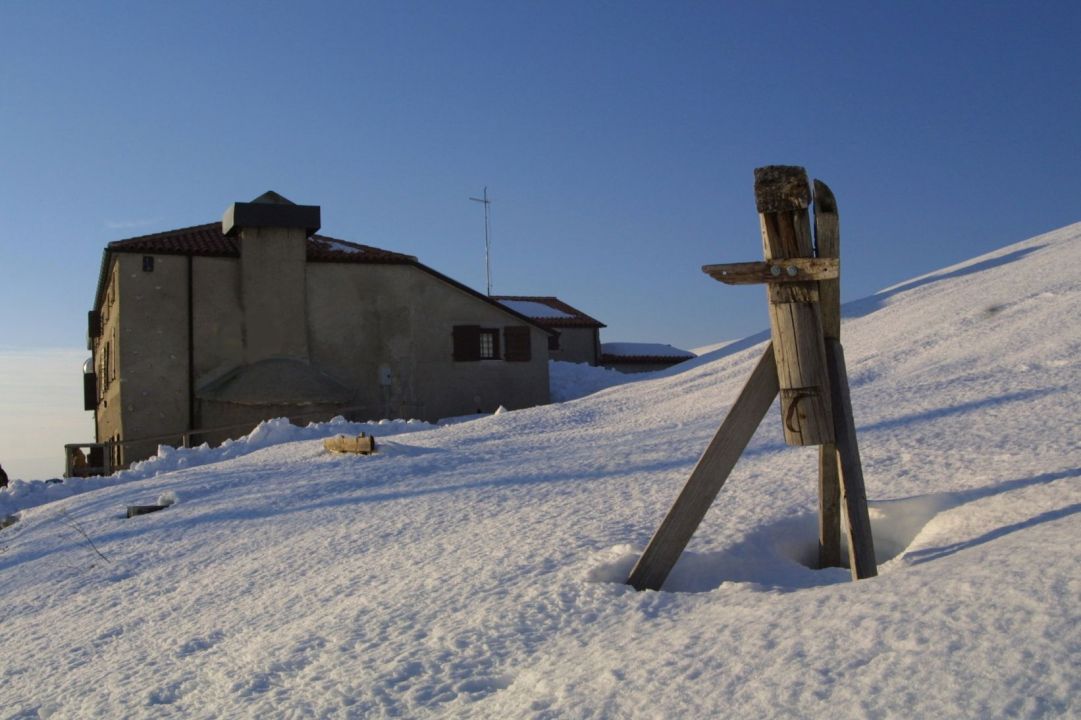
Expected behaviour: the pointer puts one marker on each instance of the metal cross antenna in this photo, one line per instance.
(487, 238)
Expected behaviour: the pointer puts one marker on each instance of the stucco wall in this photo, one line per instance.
(364, 323)
(219, 319)
(577, 345)
(364, 318)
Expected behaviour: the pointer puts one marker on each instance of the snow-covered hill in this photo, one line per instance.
(473, 570)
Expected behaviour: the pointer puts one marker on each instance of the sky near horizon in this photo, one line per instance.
(617, 140)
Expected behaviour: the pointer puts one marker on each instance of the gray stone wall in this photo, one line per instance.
(153, 355)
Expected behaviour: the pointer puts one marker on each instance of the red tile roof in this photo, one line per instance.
(577, 317)
(209, 241)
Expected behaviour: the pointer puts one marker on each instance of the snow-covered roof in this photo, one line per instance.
(548, 311)
(642, 353)
(533, 309)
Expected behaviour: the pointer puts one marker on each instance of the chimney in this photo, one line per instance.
(272, 233)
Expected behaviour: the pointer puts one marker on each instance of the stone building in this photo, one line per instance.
(199, 333)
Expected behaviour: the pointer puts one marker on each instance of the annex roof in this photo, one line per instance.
(547, 311)
(617, 353)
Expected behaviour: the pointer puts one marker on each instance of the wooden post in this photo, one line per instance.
(782, 196)
(804, 364)
(708, 477)
(828, 245)
(861, 547)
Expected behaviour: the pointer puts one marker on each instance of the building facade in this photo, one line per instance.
(199, 333)
(575, 337)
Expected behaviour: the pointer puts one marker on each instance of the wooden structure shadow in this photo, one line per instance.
(804, 364)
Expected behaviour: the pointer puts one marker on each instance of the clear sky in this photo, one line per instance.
(617, 139)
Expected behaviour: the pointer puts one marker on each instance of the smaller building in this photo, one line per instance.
(575, 337)
(641, 357)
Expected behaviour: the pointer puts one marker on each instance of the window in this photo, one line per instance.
(489, 342)
(148, 263)
(553, 341)
(471, 342)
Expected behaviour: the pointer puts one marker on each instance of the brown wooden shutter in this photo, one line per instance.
(518, 344)
(466, 342)
(93, 324)
(90, 391)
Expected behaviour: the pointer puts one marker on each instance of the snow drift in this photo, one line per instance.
(474, 570)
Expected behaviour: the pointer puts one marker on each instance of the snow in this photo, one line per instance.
(570, 381)
(635, 349)
(474, 569)
(533, 309)
(341, 246)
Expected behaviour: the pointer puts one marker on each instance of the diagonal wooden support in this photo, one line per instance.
(861, 545)
(708, 477)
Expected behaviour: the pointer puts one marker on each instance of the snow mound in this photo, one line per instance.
(23, 494)
(477, 570)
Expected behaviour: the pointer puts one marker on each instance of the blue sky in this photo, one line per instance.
(616, 139)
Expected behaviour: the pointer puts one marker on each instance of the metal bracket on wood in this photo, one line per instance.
(804, 364)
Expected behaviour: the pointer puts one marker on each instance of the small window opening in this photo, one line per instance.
(488, 344)
(148, 263)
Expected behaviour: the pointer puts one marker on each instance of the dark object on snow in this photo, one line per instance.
(134, 510)
(3, 477)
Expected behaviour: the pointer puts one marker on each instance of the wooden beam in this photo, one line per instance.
(828, 246)
(777, 271)
(782, 196)
(708, 477)
(861, 545)
(361, 444)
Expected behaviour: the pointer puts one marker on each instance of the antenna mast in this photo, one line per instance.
(487, 237)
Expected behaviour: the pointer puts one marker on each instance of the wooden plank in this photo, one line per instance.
(137, 510)
(782, 196)
(778, 271)
(829, 507)
(708, 477)
(828, 247)
(861, 545)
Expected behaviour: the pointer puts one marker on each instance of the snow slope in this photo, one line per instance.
(473, 570)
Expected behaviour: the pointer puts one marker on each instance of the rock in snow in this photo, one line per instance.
(474, 569)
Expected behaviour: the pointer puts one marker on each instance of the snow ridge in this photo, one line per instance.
(474, 569)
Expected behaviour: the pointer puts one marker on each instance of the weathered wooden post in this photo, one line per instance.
(804, 363)
(783, 196)
(828, 245)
